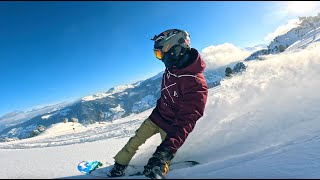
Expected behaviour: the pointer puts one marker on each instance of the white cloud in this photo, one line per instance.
(281, 11)
(300, 8)
(224, 54)
(292, 9)
(292, 23)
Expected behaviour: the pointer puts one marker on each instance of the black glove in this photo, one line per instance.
(160, 160)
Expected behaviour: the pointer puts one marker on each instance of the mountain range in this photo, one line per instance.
(307, 29)
(123, 101)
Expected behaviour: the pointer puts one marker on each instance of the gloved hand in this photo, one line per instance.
(160, 160)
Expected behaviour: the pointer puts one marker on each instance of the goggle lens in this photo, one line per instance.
(158, 53)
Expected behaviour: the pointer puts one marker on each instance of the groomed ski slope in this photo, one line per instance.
(264, 123)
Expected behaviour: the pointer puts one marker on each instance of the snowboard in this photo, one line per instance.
(99, 169)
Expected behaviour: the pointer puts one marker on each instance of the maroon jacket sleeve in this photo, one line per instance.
(191, 108)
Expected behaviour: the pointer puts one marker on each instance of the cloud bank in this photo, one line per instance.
(222, 55)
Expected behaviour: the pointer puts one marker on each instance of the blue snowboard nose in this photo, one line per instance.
(88, 166)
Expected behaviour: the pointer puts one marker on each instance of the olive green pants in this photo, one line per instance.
(144, 132)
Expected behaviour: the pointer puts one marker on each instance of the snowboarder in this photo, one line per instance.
(183, 98)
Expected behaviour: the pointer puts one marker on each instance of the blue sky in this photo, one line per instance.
(60, 51)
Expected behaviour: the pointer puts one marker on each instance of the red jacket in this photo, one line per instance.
(182, 102)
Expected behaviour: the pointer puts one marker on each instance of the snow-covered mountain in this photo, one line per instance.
(117, 102)
(307, 29)
(256, 47)
(122, 101)
(18, 117)
(262, 123)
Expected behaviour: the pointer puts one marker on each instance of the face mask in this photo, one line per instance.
(169, 62)
(178, 62)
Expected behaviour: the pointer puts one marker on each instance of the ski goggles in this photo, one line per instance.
(158, 53)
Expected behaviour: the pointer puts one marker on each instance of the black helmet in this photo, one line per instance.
(171, 44)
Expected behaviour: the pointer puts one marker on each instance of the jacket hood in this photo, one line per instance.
(197, 66)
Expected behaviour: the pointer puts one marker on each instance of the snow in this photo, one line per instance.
(121, 88)
(15, 118)
(64, 112)
(145, 103)
(112, 91)
(256, 48)
(46, 116)
(309, 27)
(52, 162)
(95, 96)
(264, 123)
(115, 112)
(62, 129)
(116, 109)
(312, 36)
(283, 29)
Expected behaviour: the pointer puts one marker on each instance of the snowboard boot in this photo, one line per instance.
(157, 171)
(117, 170)
(158, 164)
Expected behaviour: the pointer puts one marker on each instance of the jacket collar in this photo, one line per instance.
(197, 66)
